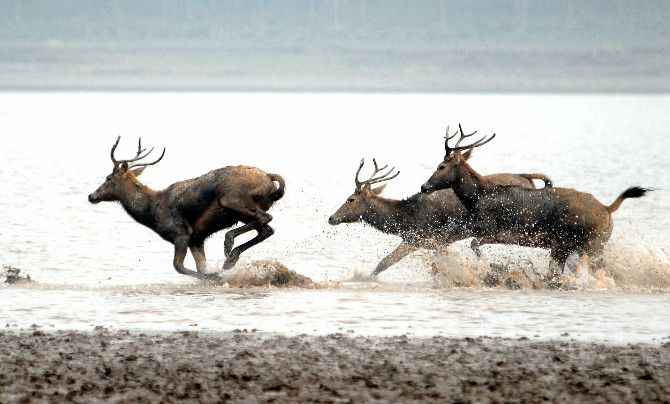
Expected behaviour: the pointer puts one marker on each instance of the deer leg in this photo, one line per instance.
(180, 250)
(396, 255)
(198, 252)
(244, 205)
(264, 231)
(230, 236)
(557, 261)
(475, 244)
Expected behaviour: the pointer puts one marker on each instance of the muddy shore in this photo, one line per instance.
(191, 367)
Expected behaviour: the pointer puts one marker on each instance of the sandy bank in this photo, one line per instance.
(191, 367)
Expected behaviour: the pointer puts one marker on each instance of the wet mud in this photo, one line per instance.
(190, 367)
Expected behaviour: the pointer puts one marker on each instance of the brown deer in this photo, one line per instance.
(563, 220)
(422, 221)
(187, 212)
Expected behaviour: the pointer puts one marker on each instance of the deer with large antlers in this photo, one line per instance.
(563, 220)
(422, 221)
(188, 212)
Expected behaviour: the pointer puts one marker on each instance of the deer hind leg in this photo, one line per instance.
(474, 245)
(396, 255)
(557, 260)
(233, 254)
(244, 204)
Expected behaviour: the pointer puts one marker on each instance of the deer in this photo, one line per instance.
(422, 221)
(186, 213)
(563, 220)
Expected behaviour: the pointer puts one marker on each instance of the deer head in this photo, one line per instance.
(359, 202)
(123, 174)
(450, 170)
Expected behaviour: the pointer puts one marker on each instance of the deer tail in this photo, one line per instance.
(632, 192)
(538, 176)
(281, 188)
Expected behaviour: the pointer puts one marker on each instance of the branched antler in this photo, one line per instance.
(458, 147)
(373, 179)
(139, 156)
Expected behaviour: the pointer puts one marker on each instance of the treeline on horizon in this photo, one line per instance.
(346, 23)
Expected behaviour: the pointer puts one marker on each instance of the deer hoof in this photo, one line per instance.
(211, 277)
(230, 261)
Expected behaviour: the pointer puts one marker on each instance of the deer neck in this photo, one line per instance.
(140, 203)
(387, 215)
(470, 186)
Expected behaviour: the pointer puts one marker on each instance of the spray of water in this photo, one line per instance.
(624, 265)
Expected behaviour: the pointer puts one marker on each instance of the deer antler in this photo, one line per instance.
(458, 147)
(373, 179)
(139, 156)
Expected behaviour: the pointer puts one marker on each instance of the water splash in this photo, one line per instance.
(624, 265)
(266, 273)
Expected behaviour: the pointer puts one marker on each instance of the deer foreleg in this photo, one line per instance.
(180, 250)
(232, 255)
(396, 255)
(198, 253)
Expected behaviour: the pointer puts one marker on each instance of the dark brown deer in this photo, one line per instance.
(422, 221)
(563, 220)
(188, 212)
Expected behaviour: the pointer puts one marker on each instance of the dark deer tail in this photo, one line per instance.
(281, 189)
(538, 176)
(632, 192)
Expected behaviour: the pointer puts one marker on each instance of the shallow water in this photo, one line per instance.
(93, 265)
(359, 310)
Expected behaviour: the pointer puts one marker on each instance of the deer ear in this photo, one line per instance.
(378, 190)
(468, 153)
(138, 171)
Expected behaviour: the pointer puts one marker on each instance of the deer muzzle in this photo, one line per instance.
(333, 220)
(428, 188)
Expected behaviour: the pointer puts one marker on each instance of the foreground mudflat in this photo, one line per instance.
(195, 367)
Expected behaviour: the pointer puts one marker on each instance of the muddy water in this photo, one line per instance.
(93, 265)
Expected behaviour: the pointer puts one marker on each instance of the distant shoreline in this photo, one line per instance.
(240, 90)
(79, 68)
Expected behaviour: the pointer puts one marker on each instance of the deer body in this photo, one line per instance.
(422, 220)
(563, 220)
(188, 212)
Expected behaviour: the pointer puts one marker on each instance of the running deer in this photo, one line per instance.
(563, 220)
(422, 221)
(187, 212)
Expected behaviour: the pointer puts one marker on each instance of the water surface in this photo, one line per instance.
(93, 265)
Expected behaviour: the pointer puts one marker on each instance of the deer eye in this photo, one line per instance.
(351, 200)
(440, 168)
(109, 178)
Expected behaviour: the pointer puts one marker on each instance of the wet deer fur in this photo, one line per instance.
(563, 220)
(422, 221)
(187, 212)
